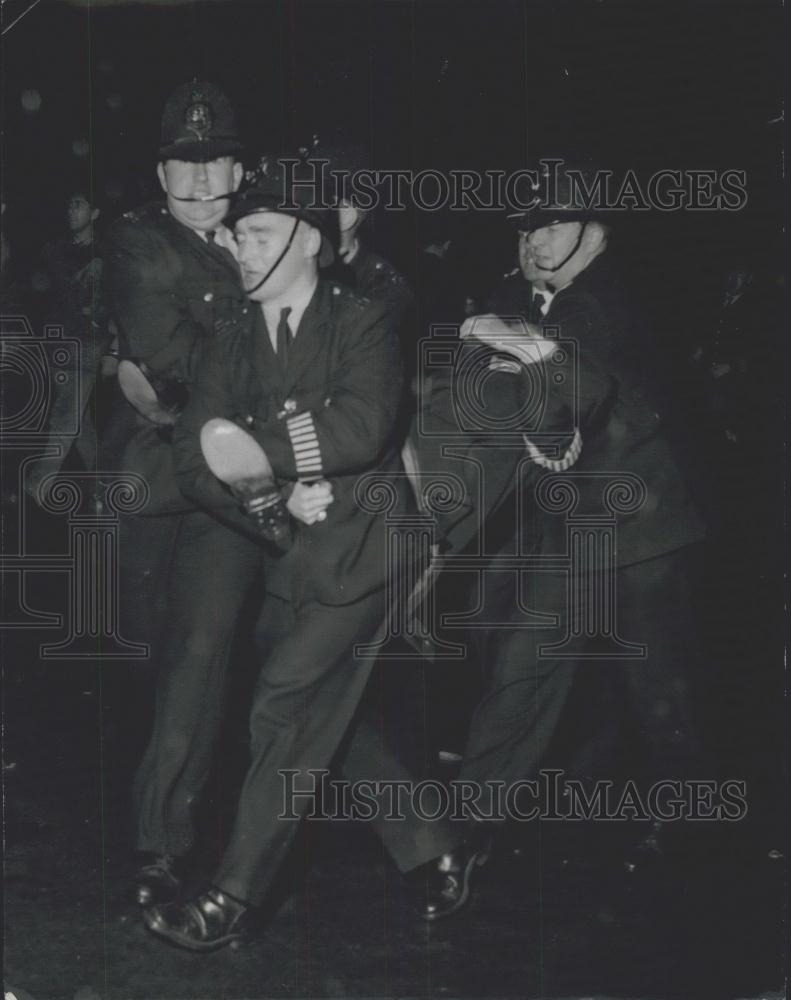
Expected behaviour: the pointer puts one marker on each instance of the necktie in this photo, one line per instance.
(535, 308)
(211, 236)
(283, 337)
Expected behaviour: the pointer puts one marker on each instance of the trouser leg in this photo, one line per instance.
(212, 570)
(412, 840)
(307, 694)
(525, 690)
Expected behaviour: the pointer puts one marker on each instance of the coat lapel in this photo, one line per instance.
(197, 247)
(310, 336)
(263, 358)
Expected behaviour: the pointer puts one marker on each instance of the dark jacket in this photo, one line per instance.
(166, 289)
(76, 300)
(594, 383)
(625, 433)
(374, 277)
(331, 415)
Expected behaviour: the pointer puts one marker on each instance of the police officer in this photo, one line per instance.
(602, 399)
(170, 281)
(314, 371)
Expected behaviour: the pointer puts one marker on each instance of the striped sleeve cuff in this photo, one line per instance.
(305, 443)
(557, 464)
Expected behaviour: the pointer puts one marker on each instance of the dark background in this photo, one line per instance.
(645, 86)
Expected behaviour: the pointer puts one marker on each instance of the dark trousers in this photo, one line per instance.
(305, 700)
(526, 690)
(211, 571)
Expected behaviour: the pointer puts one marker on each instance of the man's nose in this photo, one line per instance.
(201, 173)
(243, 252)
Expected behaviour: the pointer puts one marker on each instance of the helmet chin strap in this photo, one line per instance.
(203, 197)
(569, 255)
(273, 268)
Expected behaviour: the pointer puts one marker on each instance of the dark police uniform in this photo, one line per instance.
(168, 288)
(330, 414)
(376, 278)
(620, 433)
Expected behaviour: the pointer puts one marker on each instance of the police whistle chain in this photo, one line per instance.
(237, 460)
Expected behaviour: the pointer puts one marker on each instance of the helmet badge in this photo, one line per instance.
(198, 116)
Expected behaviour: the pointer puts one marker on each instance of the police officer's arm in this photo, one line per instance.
(154, 326)
(211, 396)
(453, 438)
(541, 425)
(355, 426)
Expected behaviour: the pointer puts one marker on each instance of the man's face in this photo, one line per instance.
(184, 179)
(547, 247)
(736, 282)
(527, 261)
(79, 213)
(348, 217)
(552, 244)
(260, 239)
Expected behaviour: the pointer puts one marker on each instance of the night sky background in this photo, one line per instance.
(445, 85)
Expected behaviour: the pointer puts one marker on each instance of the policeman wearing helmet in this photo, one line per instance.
(198, 167)
(593, 385)
(184, 575)
(310, 372)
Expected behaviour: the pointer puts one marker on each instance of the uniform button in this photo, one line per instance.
(290, 405)
(208, 296)
(336, 290)
(249, 420)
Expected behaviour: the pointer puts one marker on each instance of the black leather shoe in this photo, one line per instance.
(448, 885)
(212, 920)
(156, 880)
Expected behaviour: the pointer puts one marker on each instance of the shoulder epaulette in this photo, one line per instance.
(150, 212)
(350, 295)
(389, 273)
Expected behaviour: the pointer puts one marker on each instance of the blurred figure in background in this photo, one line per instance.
(72, 267)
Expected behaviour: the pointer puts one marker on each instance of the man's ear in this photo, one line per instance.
(94, 214)
(311, 243)
(595, 237)
(238, 174)
(161, 175)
